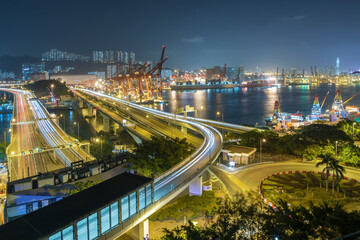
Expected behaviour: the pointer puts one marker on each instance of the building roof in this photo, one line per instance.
(50, 219)
(239, 149)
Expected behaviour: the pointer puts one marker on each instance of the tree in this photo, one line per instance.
(102, 148)
(350, 154)
(325, 160)
(245, 217)
(312, 152)
(351, 128)
(336, 169)
(154, 156)
(238, 218)
(323, 134)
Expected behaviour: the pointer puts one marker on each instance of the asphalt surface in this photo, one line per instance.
(250, 178)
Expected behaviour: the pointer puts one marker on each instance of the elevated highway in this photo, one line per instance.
(37, 142)
(141, 123)
(171, 183)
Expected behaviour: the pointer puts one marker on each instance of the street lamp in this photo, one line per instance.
(222, 115)
(76, 123)
(52, 88)
(5, 138)
(64, 121)
(353, 130)
(101, 149)
(261, 141)
(336, 143)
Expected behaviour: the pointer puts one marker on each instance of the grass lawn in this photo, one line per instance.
(191, 207)
(301, 188)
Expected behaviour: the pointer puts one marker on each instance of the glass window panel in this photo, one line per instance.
(93, 226)
(105, 220)
(35, 206)
(114, 214)
(148, 195)
(124, 208)
(68, 233)
(82, 230)
(44, 203)
(133, 204)
(142, 198)
(56, 236)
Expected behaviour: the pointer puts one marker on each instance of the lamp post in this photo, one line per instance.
(5, 137)
(261, 140)
(336, 143)
(203, 111)
(222, 119)
(353, 130)
(76, 123)
(52, 88)
(101, 151)
(222, 115)
(64, 121)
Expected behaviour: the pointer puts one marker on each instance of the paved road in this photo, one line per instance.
(147, 124)
(25, 136)
(250, 178)
(33, 132)
(175, 180)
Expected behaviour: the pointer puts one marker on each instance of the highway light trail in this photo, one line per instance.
(35, 135)
(174, 177)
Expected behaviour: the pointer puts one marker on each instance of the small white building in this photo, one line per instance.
(238, 154)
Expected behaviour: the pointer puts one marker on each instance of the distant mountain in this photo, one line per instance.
(13, 63)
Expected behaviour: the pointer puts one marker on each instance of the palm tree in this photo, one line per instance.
(326, 158)
(336, 169)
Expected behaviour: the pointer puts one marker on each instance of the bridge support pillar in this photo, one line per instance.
(106, 123)
(88, 148)
(81, 103)
(144, 231)
(195, 187)
(184, 129)
(90, 110)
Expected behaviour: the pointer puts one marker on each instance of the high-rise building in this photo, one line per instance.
(57, 55)
(242, 70)
(337, 68)
(101, 56)
(95, 56)
(232, 73)
(126, 57)
(132, 55)
(111, 56)
(29, 69)
(111, 71)
(119, 56)
(6, 75)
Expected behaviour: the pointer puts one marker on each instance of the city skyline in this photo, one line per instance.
(264, 34)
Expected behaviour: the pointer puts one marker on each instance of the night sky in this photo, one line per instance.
(196, 33)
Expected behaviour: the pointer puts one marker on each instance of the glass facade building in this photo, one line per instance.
(108, 217)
